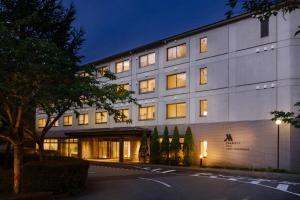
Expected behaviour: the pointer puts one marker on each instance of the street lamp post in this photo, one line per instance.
(278, 122)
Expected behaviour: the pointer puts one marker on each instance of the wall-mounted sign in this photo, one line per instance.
(233, 145)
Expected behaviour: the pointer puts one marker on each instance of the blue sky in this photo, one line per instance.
(113, 26)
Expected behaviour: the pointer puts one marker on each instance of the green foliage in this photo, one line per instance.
(288, 117)
(155, 148)
(143, 151)
(188, 147)
(63, 175)
(175, 147)
(165, 147)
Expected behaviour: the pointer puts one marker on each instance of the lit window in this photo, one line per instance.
(203, 76)
(126, 149)
(125, 117)
(176, 52)
(52, 119)
(146, 113)
(83, 74)
(176, 110)
(103, 149)
(147, 60)
(125, 86)
(203, 149)
(176, 81)
(83, 119)
(51, 144)
(264, 28)
(122, 66)
(101, 71)
(203, 45)
(101, 117)
(68, 120)
(203, 108)
(147, 86)
(41, 123)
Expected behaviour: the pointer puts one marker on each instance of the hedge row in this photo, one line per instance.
(56, 174)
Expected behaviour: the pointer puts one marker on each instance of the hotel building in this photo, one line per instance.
(222, 80)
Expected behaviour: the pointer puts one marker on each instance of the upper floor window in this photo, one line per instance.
(203, 108)
(147, 60)
(176, 52)
(83, 74)
(146, 113)
(83, 119)
(264, 28)
(41, 123)
(203, 45)
(124, 86)
(101, 117)
(147, 86)
(122, 66)
(176, 81)
(176, 110)
(203, 76)
(102, 71)
(124, 115)
(68, 120)
(56, 123)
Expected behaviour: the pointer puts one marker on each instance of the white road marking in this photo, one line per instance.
(232, 179)
(154, 170)
(255, 182)
(198, 174)
(168, 171)
(92, 172)
(156, 181)
(212, 176)
(282, 187)
(146, 168)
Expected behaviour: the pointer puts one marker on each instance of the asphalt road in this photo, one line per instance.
(111, 183)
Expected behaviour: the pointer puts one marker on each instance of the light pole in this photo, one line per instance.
(278, 122)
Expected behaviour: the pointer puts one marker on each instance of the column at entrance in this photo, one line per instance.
(121, 150)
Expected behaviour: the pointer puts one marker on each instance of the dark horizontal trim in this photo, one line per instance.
(164, 41)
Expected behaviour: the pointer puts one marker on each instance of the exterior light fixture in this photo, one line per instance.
(278, 122)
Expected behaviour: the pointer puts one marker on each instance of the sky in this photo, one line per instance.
(114, 26)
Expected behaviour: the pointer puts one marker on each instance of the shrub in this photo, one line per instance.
(143, 151)
(55, 174)
(165, 147)
(175, 147)
(154, 147)
(188, 147)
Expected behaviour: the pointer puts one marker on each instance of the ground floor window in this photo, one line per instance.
(103, 149)
(51, 144)
(203, 149)
(126, 149)
(69, 147)
(115, 149)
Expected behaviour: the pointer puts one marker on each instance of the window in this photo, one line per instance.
(126, 149)
(68, 120)
(69, 147)
(124, 86)
(101, 71)
(147, 60)
(122, 66)
(83, 74)
(176, 110)
(146, 113)
(203, 76)
(176, 81)
(203, 108)
(41, 123)
(203, 45)
(103, 149)
(51, 144)
(147, 86)
(264, 28)
(56, 123)
(101, 117)
(203, 149)
(176, 52)
(83, 119)
(125, 113)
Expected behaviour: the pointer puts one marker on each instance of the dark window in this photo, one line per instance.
(264, 28)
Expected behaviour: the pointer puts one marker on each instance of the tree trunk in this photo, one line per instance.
(41, 149)
(18, 159)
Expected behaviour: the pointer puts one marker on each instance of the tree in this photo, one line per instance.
(188, 147)
(263, 9)
(143, 151)
(154, 148)
(288, 117)
(39, 70)
(175, 147)
(165, 147)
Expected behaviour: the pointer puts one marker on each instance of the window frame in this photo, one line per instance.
(122, 111)
(147, 86)
(68, 116)
(264, 28)
(99, 75)
(201, 50)
(177, 117)
(200, 79)
(44, 122)
(201, 109)
(147, 107)
(56, 124)
(176, 81)
(147, 55)
(100, 114)
(123, 61)
(85, 115)
(176, 46)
